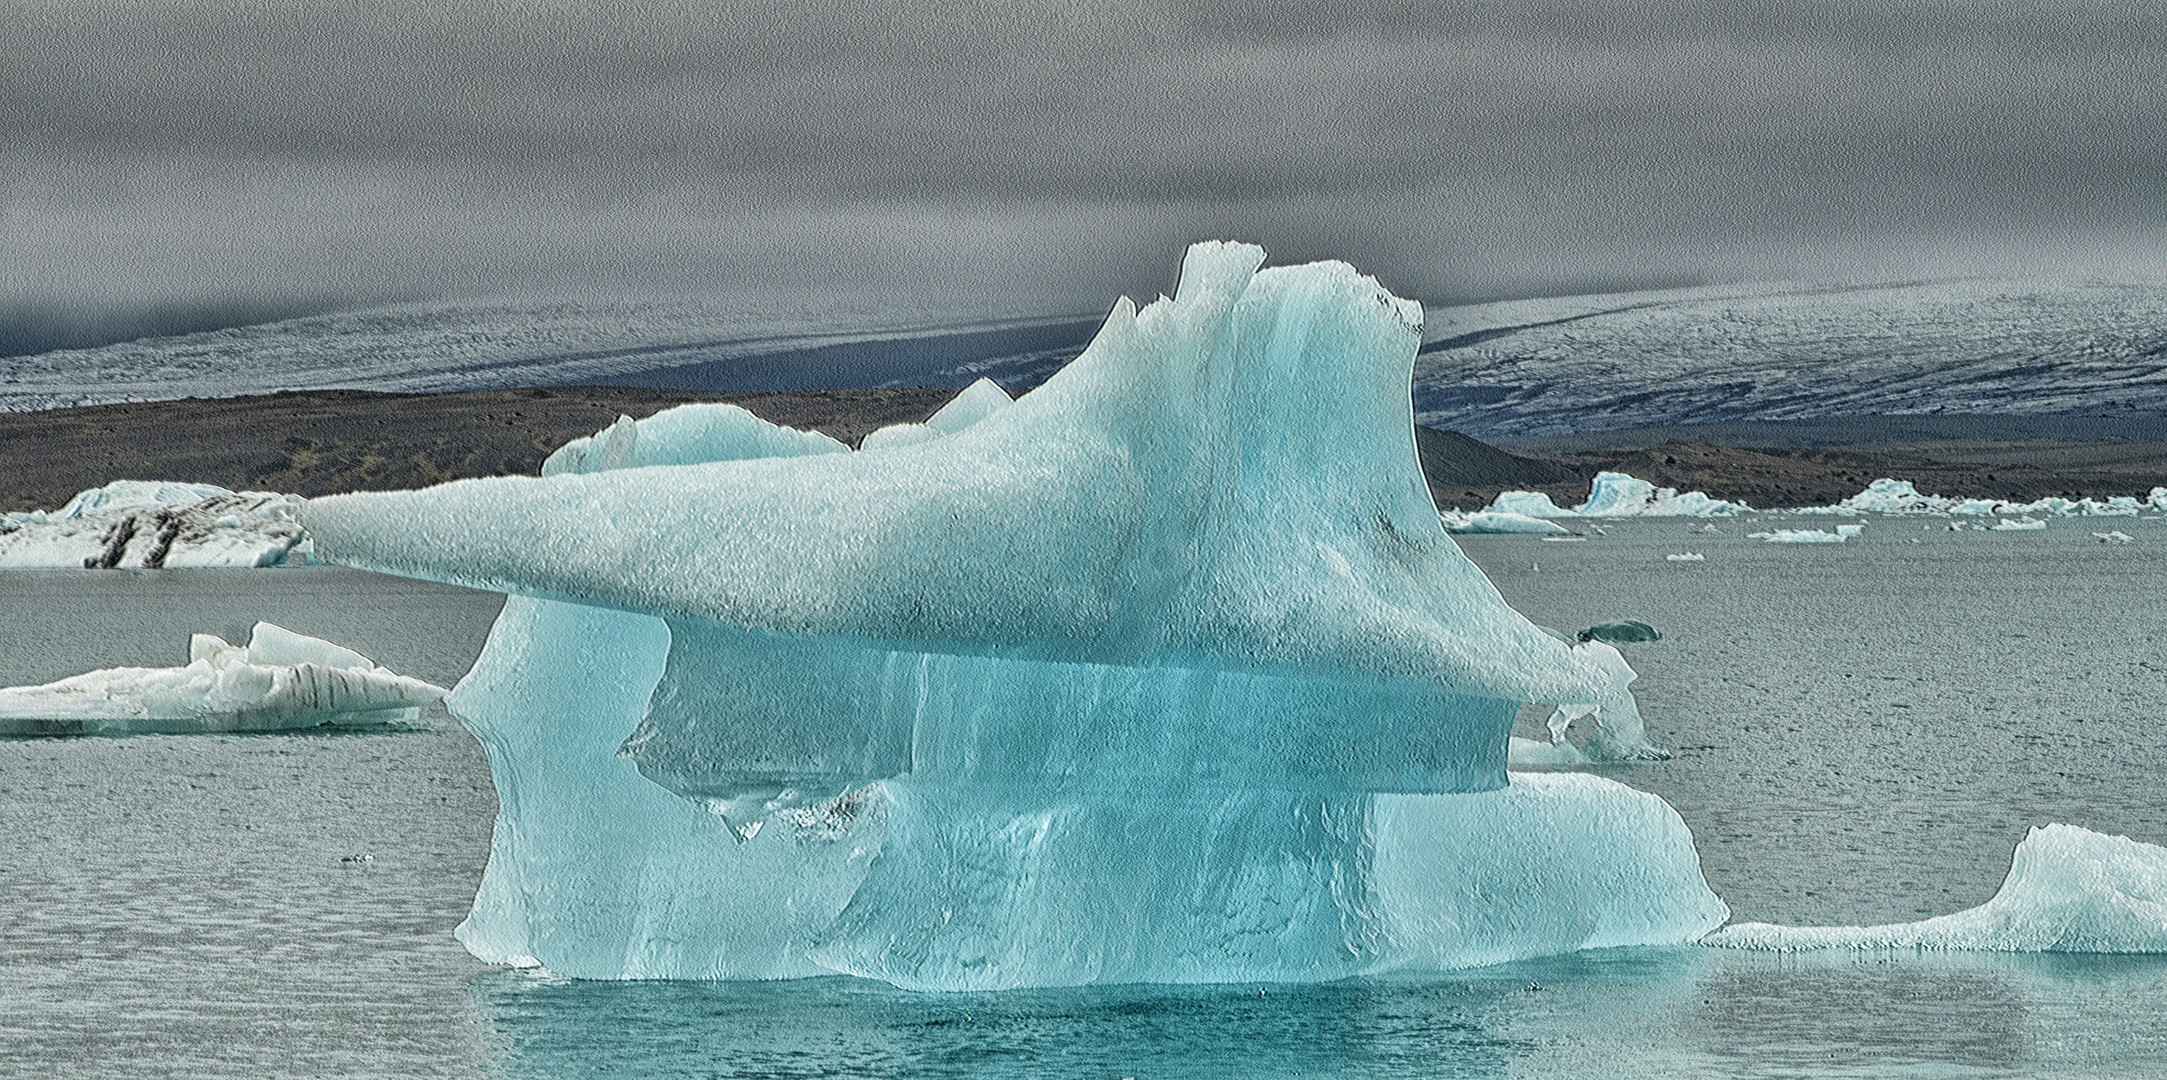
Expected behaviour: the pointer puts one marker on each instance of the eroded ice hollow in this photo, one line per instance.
(1165, 671)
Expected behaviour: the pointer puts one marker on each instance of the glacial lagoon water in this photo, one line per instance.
(1862, 732)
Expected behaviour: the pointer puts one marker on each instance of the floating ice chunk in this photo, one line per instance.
(1691, 504)
(1685, 556)
(1533, 504)
(1801, 536)
(1850, 531)
(1167, 671)
(1887, 496)
(279, 680)
(1497, 521)
(140, 523)
(1616, 494)
(2115, 537)
(2157, 500)
(2068, 890)
(2022, 524)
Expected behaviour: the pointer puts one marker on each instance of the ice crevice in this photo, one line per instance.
(1164, 671)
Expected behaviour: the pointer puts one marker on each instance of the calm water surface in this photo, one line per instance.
(1863, 733)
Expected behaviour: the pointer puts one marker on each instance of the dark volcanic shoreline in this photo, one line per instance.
(322, 442)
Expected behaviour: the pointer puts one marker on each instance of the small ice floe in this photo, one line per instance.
(1499, 521)
(1529, 504)
(1708, 530)
(279, 680)
(1619, 495)
(1809, 536)
(2022, 524)
(1685, 556)
(2115, 537)
(155, 524)
(1566, 539)
(1886, 496)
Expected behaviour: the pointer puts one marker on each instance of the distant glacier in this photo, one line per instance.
(1508, 369)
(1768, 352)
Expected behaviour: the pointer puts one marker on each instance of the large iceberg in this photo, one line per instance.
(279, 680)
(153, 524)
(1164, 671)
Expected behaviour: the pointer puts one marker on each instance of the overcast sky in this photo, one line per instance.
(287, 155)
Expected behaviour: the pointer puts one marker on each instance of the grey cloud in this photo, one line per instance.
(1457, 148)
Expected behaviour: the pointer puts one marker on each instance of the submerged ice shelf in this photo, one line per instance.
(1164, 671)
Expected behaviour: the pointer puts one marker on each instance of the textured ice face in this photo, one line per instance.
(1150, 674)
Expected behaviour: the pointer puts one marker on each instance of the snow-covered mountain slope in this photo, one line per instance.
(424, 348)
(1770, 352)
(1500, 370)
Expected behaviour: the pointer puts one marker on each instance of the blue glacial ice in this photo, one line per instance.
(1165, 671)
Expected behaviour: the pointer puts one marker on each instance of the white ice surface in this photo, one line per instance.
(279, 680)
(155, 523)
(1616, 494)
(2068, 890)
(1533, 504)
(988, 709)
(1889, 496)
(1799, 536)
(1499, 521)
